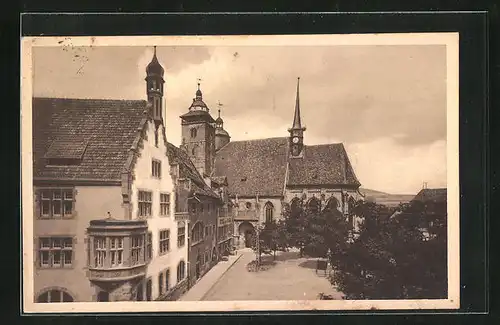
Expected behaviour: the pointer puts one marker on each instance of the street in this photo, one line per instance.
(291, 278)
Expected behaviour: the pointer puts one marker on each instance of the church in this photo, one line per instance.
(260, 176)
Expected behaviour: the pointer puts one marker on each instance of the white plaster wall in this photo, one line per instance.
(91, 202)
(145, 181)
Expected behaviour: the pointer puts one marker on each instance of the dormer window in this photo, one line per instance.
(66, 152)
(243, 179)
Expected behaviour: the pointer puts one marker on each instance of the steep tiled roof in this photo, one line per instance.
(107, 127)
(254, 167)
(258, 167)
(431, 194)
(326, 164)
(188, 170)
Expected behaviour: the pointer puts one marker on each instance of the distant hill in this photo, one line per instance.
(386, 198)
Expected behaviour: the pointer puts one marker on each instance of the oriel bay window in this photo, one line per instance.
(119, 246)
(56, 203)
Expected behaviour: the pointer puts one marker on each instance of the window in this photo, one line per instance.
(55, 296)
(193, 133)
(197, 233)
(149, 245)
(167, 280)
(100, 251)
(269, 209)
(248, 205)
(164, 204)
(156, 168)
(193, 151)
(207, 257)
(193, 207)
(181, 269)
(56, 203)
(206, 230)
(160, 283)
(145, 203)
(181, 236)
(149, 289)
(164, 241)
(56, 252)
(116, 251)
(314, 205)
(136, 249)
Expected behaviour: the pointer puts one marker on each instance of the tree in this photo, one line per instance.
(399, 255)
(295, 224)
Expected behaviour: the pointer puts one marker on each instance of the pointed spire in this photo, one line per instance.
(154, 67)
(296, 119)
(199, 95)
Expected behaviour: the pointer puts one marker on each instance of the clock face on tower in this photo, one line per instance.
(295, 140)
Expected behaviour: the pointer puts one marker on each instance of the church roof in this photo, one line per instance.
(99, 133)
(326, 164)
(253, 167)
(188, 170)
(259, 167)
(198, 114)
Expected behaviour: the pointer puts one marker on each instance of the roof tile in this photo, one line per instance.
(109, 128)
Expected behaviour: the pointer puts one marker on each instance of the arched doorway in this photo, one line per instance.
(247, 230)
(103, 296)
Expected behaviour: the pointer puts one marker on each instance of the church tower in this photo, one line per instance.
(198, 135)
(221, 136)
(297, 131)
(154, 88)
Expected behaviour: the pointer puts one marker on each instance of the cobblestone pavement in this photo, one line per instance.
(291, 278)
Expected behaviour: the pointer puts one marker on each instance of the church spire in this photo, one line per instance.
(297, 130)
(296, 118)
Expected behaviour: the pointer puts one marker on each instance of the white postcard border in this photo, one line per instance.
(450, 40)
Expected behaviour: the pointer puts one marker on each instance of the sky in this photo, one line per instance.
(386, 103)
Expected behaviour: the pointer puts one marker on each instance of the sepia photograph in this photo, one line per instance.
(235, 173)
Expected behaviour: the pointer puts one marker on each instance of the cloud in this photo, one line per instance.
(386, 103)
(386, 165)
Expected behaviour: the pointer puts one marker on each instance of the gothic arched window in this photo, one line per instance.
(332, 203)
(194, 132)
(269, 211)
(295, 203)
(193, 151)
(314, 205)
